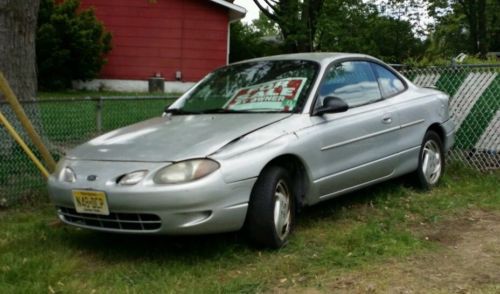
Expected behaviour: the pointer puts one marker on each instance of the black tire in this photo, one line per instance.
(260, 224)
(431, 147)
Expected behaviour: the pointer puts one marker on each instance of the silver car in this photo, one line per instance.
(251, 144)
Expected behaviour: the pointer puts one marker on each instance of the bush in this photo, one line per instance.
(70, 44)
(248, 42)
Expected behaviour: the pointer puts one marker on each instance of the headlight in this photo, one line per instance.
(68, 175)
(64, 173)
(133, 178)
(186, 171)
(59, 166)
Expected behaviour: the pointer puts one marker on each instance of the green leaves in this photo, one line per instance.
(355, 26)
(464, 27)
(71, 44)
(254, 40)
(342, 26)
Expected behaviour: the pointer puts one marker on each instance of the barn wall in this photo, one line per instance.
(163, 36)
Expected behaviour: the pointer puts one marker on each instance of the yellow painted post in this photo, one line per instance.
(20, 141)
(26, 123)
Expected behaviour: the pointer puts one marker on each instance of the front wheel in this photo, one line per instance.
(270, 216)
(431, 161)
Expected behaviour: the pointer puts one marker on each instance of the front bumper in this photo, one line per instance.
(208, 205)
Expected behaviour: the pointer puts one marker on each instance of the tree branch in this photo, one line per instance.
(269, 14)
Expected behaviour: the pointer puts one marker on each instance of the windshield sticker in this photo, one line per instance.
(275, 95)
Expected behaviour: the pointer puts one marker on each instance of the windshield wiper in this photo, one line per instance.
(254, 110)
(175, 111)
(223, 110)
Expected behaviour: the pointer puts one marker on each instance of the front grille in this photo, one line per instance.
(116, 221)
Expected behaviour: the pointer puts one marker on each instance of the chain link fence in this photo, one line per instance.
(475, 108)
(65, 123)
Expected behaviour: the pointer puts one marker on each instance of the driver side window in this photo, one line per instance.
(352, 81)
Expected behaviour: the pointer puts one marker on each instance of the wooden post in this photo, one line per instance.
(20, 141)
(26, 123)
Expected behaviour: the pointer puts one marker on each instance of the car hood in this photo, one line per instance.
(176, 138)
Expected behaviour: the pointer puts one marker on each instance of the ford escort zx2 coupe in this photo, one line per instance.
(251, 144)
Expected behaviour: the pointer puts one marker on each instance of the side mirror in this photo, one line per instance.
(332, 105)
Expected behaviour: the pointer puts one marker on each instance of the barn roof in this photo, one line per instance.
(236, 12)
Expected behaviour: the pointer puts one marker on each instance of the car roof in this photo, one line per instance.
(320, 57)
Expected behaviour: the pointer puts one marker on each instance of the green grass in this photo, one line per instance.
(67, 122)
(118, 114)
(19, 178)
(76, 121)
(345, 234)
(72, 122)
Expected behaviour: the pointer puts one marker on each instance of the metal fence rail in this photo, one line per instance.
(65, 123)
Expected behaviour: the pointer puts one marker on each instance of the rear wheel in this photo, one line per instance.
(270, 216)
(431, 161)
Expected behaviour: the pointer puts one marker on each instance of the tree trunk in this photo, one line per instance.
(297, 20)
(18, 20)
(17, 45)
(481, 28)
(472, 17)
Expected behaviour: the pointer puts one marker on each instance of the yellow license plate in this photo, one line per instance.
(94, 202)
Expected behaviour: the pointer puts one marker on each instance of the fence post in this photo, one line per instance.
(26, 123)
(99, 107)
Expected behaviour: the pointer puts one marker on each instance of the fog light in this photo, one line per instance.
(133, 178)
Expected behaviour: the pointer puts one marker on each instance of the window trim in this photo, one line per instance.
(325, 76)
(300, 108)
(347, 59)
(405, 85)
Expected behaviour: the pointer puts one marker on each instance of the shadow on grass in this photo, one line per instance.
(117, 247)
(192, 249)
(364, 197)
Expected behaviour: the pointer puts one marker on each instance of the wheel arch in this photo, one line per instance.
(298, 172)
(438, 129)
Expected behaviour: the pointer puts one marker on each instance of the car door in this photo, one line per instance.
(413, 114)
(357, 147)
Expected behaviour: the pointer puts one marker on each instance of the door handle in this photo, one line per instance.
(387, 120)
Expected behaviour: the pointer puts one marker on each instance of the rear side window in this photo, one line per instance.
(352, 81)
(390, 84)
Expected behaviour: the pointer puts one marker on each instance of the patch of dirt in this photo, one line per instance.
(469, 263)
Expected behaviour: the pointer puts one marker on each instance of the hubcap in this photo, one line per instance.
(282, 213)
(431, 162)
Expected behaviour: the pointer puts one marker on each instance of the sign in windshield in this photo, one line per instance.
(274, 95)
(261, 86)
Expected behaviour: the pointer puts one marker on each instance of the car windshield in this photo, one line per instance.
(263, 86)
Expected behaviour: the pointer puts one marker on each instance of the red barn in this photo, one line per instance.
(182, 40)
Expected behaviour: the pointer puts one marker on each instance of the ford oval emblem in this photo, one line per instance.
(92, 178)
